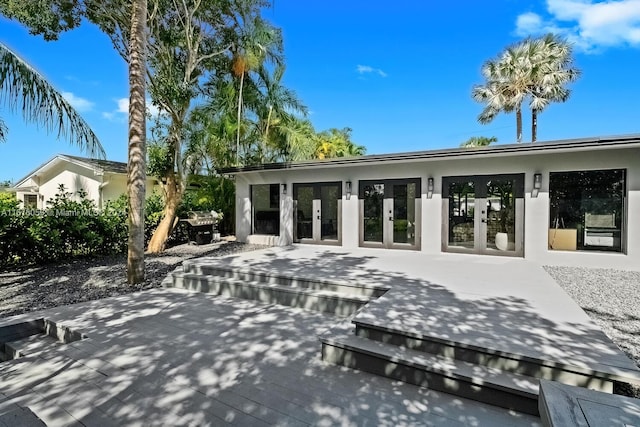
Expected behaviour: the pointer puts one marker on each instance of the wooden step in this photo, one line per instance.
(566, 372)
(311, 299)
(481, 383)
(285, 279)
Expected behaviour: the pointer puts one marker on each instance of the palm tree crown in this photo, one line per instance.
(22, 87)
(535, 69)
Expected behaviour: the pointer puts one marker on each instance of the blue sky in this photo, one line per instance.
(398, 73)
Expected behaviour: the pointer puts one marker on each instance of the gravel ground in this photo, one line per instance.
(611, 298)
(38, 287)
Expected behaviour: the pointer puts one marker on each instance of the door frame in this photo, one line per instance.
(317, 208)
(387, 206)
(480, 232)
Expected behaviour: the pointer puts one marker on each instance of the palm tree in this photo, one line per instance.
(553, 70)
(136, 168)
(507, 85)
(536, 69)
(478, 141)
(258, 41)
(23, 88)
(275, 103)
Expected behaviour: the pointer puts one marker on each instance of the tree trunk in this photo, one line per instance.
(519, 124)
(173, 197)
(136, 167)
(534, 125)
(266, 135)
(239, 118)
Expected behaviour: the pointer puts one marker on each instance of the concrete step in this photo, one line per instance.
(280, 278)
(31, 345)
(480, 383)
(566, 372)
(311, 299)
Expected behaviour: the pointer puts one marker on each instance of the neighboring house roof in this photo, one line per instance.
(102, 165)
(99, 166)
(625, 141)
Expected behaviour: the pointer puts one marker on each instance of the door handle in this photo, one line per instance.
(318, 216)
(484, 220)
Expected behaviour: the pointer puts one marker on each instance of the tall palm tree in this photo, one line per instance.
(23, 88)
(257, 41)
(507, 85)
(553, 69)
(534, 69)
(275, 102)
(136, 167)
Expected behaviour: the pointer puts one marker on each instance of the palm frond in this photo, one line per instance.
(23, 88)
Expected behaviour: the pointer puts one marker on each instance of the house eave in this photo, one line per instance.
(558, 146)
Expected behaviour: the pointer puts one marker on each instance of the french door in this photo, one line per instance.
(317, 213)
(390, 213)
(484, 214)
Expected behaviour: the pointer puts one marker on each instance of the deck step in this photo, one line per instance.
(481, 383)
(311, 299)
(567, 372)
(279, 278)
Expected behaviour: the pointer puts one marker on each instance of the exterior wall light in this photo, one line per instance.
(284, 188)
(347, 189)
(537, 181)
(430, 187)
(537, 184)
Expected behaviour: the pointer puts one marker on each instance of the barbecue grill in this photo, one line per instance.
(203, 227)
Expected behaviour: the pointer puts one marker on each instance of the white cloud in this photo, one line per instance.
(122, 111)
(77, 102)
(590, 25)
(366, 69)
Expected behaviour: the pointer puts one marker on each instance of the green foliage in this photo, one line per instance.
(478, 141)
(159, 160)
(49, 18)
(24, 88)
(69, 227)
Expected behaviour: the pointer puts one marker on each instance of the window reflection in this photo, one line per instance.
(586, 210)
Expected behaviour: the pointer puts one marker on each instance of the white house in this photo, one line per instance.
(103, 180)
(571, 202)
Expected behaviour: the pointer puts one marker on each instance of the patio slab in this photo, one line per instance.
(173, 357)
(504, 304)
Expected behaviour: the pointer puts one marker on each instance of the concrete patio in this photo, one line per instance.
(174, 357)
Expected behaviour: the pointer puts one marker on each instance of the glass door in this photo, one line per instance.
(389, 211)
(484, 214)
(317, 213)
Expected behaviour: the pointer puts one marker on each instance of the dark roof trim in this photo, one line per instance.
(489, 151)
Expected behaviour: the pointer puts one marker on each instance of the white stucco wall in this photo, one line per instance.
(73, 177)
(100, 187)
(536, 221)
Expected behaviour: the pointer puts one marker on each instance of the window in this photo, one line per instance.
(265, 208)
(587, 210)
(30, 201)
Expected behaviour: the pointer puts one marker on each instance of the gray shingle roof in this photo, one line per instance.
(105, 165)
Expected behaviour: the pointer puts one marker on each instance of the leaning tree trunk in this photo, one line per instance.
(534, 125)
(519, 124)
(173, 197)
(136, 167)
